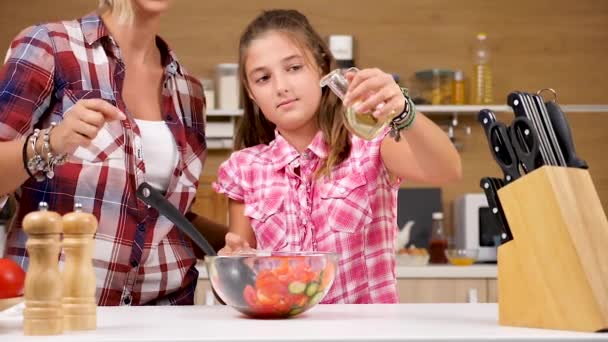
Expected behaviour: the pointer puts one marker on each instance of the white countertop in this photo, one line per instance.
(429, 271)
(382, 322)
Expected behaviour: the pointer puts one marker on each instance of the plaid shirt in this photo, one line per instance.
(352, 213)
(139, 257)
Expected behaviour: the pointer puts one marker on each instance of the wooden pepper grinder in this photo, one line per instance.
(43, 314)
(79, 304)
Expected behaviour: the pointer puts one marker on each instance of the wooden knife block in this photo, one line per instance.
(554, 273)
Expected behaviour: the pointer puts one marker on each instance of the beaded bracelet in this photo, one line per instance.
(24, 155)
(404, 120)
(52, 160)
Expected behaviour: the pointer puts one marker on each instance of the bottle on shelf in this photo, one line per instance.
(458, 88)
(482, 73)
(439, 240)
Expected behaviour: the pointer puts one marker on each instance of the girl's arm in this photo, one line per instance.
(241, 236)
(424, 153)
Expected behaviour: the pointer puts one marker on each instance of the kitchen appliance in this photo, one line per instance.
(476, 227)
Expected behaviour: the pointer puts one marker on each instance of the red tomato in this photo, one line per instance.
(250, 296)
(12, 279)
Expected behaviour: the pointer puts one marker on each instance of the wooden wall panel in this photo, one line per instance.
(544, 43)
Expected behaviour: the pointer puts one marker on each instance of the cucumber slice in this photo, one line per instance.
(316, 298)
(296, 287)
(295, 311)
(312, 288)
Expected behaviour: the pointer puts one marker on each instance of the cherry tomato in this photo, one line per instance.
(12, 279)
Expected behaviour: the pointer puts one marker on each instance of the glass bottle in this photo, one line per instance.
(439, 240)
(458, 88)
(364, 125)
(482, 72)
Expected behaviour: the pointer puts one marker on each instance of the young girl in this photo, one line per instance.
(301, 181)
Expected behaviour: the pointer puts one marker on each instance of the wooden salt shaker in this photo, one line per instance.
(43, 314)
(79, 304)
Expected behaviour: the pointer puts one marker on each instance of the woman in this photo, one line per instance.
(92, 108)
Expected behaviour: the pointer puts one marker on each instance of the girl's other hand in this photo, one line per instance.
(235, 245)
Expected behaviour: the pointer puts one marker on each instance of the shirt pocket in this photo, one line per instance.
(268, 220)
(110, 139)
(346, 203)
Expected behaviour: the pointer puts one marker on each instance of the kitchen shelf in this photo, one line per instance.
(449, 109)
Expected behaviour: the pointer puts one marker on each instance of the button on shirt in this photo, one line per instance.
(353, 212)
(137, 255)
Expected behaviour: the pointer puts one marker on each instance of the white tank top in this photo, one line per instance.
(159, 151)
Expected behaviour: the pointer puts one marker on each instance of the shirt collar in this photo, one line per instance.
(283, 153)
(95, 30)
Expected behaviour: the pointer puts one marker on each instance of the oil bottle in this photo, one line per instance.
(364, 125)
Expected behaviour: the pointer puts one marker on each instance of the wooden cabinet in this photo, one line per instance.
(427, 284)
(492, 291)
(203, 294)
(210, 204)
(443, 290)
(413, 290)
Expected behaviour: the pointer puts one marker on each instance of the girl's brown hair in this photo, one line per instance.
(254, 129)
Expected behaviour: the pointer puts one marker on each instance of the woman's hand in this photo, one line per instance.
(81, 124)
(234, 245)
(376, 92)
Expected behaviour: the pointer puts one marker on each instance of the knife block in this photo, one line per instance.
(554, 273)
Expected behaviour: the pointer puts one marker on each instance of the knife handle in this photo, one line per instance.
(490, 186)
(564, 135)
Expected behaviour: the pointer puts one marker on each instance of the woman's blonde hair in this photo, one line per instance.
(254, 128)
(122, 8)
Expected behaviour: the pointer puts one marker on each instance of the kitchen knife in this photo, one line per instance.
(490, 187)
(521, 107)
(564, 135)
(542, 110)
(540, 128)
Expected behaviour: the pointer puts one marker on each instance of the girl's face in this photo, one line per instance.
(282, 81)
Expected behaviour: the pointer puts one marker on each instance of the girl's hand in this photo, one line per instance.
(372, 90)
(234, 245)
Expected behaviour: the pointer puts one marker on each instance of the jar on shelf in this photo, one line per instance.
(209, 90)
(433, 86)
(228, 86)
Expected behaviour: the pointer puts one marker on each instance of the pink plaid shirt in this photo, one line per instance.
(139, 257)
(352, 213)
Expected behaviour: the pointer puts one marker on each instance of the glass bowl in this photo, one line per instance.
(461, 257)
(412, 257)
(272, 284)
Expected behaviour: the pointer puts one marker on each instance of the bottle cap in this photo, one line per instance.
(458, 75)
(438, 216)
